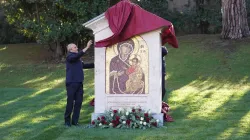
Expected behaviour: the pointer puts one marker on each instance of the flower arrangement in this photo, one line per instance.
(126, 118)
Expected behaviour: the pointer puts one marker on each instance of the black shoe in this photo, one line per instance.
(75, 124)
(67, 124)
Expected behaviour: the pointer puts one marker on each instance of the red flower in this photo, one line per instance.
(115, 123)
(93, 122)
(133, 110)
(139, 110)
(128, 122)
(117, 118)
(103, 118)
(92, 102)
(102, 121)
(154, 124)
(115, 111)
(145, 114)
(137, 117)
(147, 120)
(98, 119)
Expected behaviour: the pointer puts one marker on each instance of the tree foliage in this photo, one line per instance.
(60, 21)
(205, 17)
(53, 21)
(158, 7)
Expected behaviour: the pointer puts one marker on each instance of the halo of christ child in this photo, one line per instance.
(125, 74)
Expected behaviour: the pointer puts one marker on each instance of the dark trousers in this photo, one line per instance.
(74, 101)
(163, 86)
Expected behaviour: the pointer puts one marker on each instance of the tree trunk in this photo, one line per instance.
(234, 19)
(59, 52)
(37, 14)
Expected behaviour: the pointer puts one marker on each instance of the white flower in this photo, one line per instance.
(149, 112)
(111, 124)
(123, 122)
(100, 124)
(157, 120)
(129, 110)
(111, 114)
(144, 123)
(140, 122)
(120, 109)
(127, 113)
(142, 118)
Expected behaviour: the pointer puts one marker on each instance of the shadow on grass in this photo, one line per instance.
(38, 76)
(226, 121)
(36, 116)
(196, 75)
(32, 76)
(201, 58)
(52, 132)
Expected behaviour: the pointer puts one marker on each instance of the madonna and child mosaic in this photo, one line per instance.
(127, 67)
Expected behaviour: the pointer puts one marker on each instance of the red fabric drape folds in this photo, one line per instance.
(127, 20)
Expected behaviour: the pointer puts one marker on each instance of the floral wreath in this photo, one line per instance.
(126, 118)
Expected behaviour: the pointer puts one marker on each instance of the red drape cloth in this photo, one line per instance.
(127, 20)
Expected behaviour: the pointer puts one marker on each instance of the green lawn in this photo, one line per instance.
(208, 91)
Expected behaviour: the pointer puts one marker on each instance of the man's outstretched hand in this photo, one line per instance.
(90, 42)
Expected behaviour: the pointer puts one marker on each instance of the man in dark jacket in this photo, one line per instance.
(164, 53)
(74, 82)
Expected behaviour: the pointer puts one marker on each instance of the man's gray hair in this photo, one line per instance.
(70, 46)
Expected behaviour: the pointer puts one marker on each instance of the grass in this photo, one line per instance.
(208, 91)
